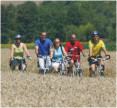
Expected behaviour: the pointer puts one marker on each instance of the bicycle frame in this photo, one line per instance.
(98, 60)
(78, 68)
(46, 67)
(22, 63)
(61, 63)
(62, 68)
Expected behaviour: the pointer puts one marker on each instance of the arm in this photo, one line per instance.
(90, 52)
(51, 54)
(65, 53)
(105, 51)
(66, 47)
(81, 49)
(83, 52)
(36, 50)
(26, 50)
(12, 50)
(104, 48)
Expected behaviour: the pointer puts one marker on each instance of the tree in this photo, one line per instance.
(8, 25)
(27, 18)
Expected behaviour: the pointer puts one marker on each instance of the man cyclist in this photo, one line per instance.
(17, 53)
(95, 46)
(74, 47)
(42, 48)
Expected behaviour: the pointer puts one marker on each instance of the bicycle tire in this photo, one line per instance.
(81, 73)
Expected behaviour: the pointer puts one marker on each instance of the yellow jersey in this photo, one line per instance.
(96, 47)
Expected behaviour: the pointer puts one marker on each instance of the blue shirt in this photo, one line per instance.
(58, 54)
(44, 46)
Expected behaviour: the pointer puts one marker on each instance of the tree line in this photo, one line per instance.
(58, 19)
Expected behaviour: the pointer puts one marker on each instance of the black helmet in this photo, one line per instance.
(18, 36)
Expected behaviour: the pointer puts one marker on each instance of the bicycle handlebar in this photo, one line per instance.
(58, 60)
(40, 56)
(108, 56)
(25, 58)
(101, 58)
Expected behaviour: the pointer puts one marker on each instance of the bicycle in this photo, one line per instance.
(20, 61)
(62, 65)
(97, 62)
(79, 71)
(22, 66)
(46, 64)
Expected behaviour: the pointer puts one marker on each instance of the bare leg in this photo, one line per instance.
(71, 67)
(92, 71)
(16, 68)
(55, 68)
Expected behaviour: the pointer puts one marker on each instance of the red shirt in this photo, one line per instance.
(74, 49)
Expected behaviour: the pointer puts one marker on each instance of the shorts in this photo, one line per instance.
(58, 65)
(55, 64)
(73, 60)
(90, 61)
(16, 62)
(42, 62)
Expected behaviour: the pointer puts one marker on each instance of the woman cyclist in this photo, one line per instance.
(17, 53)
(95, 46)
(56, 52)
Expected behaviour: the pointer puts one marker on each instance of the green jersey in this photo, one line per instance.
(18, 52)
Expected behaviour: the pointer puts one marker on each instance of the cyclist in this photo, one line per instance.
(42, 47)
(95, 46)
(74, 47)
(56, 53)
(17, 53)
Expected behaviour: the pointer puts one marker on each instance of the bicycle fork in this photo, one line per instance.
(45, 64)
(79, 70)
(62, 67)
(101, 72)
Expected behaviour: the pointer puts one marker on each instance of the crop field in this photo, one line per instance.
(31, 89)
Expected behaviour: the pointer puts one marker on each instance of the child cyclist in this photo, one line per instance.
(95, 46)
(17, 53)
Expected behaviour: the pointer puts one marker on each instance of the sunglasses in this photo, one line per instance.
(95, 36)
(18, 38)
(57, 42)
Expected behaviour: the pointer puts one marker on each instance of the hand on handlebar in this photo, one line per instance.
(92, 58)
(84, 55)
(39, 56)
(52, 60)
(11, 59)
(29, 57)
(68, 58)
(107, 57)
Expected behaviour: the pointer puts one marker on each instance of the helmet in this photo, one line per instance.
(18, 36)
(95, 33)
